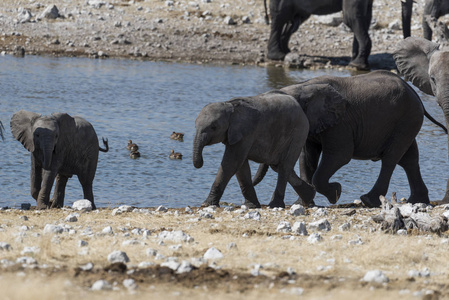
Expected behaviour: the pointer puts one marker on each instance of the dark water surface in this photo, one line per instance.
(146, 102)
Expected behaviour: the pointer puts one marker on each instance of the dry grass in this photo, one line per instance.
(331, 269)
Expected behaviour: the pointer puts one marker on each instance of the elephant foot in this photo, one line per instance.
(274, 204)
(360, 65)
(445, 200)
(418, 199)
(307, 195)
(335, 192)
(304, 203)
(276, 55)
(55, 204)
(370, 200)
(210, 203)
(252, 204)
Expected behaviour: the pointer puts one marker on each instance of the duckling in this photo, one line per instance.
(175, 155)
(134, 154)
(177, 136)
(131, 146)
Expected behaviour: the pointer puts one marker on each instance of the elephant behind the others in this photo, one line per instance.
(61, 146)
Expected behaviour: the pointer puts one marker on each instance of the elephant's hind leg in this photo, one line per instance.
(246, 185)
(86, 183)
(410, 163)
(58, 195)
(305, 191)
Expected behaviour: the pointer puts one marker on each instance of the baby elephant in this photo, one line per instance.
(270, 128)
(60, 147)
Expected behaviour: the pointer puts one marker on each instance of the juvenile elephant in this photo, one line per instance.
(427, 67)
(61, 146)
(374, 116)
(288, 15)
(270, 128)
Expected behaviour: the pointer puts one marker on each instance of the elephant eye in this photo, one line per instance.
(433, 79)
(213, 127)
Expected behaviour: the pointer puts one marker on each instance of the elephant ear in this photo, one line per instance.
(21, 127)
(66, 124)
(243, 120)
(412, 58)
(323, 104)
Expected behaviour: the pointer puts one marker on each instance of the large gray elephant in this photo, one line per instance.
(427, 67)
(288, 15)
(61, 146)
(270, 128)
(375, 116)
(432, 8)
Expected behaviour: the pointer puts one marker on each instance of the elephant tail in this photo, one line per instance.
(434, 121)
(267, 21)
(105, 143)
(260, 174)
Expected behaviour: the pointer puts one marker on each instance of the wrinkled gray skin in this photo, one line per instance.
(270, 128)
(433, 8)
(427, 67)
(375, 116)
(60, 146)
(288, 15)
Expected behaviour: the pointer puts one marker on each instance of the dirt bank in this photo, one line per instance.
(188, 31)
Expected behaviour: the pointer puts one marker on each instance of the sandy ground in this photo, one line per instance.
(189, 31)
(258, 259)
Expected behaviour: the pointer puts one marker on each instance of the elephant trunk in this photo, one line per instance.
(47, 151)
(198, 145)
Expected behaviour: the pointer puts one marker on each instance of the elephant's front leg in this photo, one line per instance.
(381, 186)
(59, 193)
(305, 191)
(246, 185)
(277, 200)
(36, 178)
(48, 178)
(231, 162)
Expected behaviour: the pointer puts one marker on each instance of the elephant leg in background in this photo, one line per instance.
(432, 9)
(233, 159)
(36, 179)
(410, 163)
(305, 191)
(359, 21)
(58, 195)
(48, 178)
(308, 161)
(86, 183)
(246, 185)
(329, 164)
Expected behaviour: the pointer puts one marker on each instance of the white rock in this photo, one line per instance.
(330, 20)
(72, 217)
(253, 215)
(101, 285)
(184, 267)
(229, 20)
(322, 225)
(401, 232)
(299, 228)
(26, 260)
(118, 256)
(345, 226)
(213, 253)
(320, 212)
(130, 284)
(51, 12)
(297, 210)
(96, 3)
(246, 20)
(205, 214)
(284, 226)
(314, 238)
(87, 267)
(131, 242)
(171, 264)
(375, 276)
(145, 264)
(82, 243)
(24, 15)
(83, 204)
(175, 236)
(50, 228)
(30, 250)
(162, 208)
(231, 245)
(395, 25)
(151, 252)
(188, 210)
(5, 246)
(107, 230)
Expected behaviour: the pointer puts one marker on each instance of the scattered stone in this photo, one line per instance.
(333, 20)
(24, 15)
(297, 210)
(118, 256)
(130, 284)
(320, 212)
(107, 230)
(72, 217)
(213, 253)
(314, 238)
(376, 276)
(50, 228)
(231, 245)
(51, 12)
(205, 214)
(345, 227)
(321, 225)
(151, 252)
(82, 243)
(87, 267)
(96, 3)
(174, 265)
(229, 21)
(5, 246)
(284, 226)
(253, 215)
(184, 267)
(424, 273)
(101, 285)
(299, 228)
(30, 250)
(401, 232)
(84, 205)
(175, 236)
(395, 25)
(162, 208)
(26, 260)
